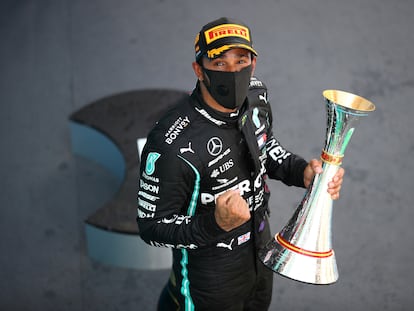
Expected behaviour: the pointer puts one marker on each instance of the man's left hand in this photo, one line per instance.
(315, 167)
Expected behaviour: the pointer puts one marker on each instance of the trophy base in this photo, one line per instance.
(317, 268)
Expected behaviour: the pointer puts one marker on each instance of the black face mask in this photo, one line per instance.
(229, 89)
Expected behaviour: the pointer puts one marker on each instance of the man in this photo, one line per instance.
(203, 177)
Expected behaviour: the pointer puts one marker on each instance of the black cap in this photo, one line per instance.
(221, 35)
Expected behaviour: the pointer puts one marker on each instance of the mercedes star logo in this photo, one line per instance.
(214, 146)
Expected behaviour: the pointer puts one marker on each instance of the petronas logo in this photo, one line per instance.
(255, 117)
(150, 165)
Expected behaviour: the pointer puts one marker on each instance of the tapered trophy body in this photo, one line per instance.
(302, 250)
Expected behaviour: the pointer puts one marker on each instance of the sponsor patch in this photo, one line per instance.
(147, 196)
(276, 151)
(226, 245)
(243, 238)
(150, 165)
(175, 130)
(214, 146)
(227, 30)
(261, 141)
(255, 117)
(221, 156)
(146, 205)
(187, 149)
(209, 117)
(149, 187)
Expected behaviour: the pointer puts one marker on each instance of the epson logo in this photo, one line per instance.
(149, 187)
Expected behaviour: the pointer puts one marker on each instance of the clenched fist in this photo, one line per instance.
(231, 210)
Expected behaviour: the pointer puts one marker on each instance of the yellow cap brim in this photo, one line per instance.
(213, 53)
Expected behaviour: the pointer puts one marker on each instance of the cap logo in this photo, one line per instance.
(226, 30)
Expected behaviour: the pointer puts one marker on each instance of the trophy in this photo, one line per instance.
(302, 250)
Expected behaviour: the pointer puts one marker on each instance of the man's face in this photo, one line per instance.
(233, 60)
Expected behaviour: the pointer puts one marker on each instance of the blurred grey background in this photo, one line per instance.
(59, 56)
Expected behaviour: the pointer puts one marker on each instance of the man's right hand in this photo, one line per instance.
(231, 210)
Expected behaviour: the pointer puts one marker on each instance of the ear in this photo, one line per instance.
(253, 64)
(198, 70)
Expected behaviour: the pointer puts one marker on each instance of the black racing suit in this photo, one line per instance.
(192, 155)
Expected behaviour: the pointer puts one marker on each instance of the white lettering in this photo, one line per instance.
(142, 214)
(259, 179)
(151, 178)
(149, 187)
(175, 130)
(207, 198)
(206, 115)
(276, 151)
(146, 205)
(176, 219)
(255, 82)
(148, 196)
(178, 246)
(157, 244)
(225, 184)
(226, 166)
(221, 156)
(243, 187)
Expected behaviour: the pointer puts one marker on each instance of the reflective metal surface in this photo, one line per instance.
(302, 250)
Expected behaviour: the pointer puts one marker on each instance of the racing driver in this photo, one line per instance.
(202, 188)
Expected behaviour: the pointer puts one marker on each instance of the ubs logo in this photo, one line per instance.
(214, 146)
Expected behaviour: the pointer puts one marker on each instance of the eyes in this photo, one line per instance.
(233, 60)
(221, 62)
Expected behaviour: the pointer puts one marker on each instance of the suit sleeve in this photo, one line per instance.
(284, 165)
(167, 202)
(281, 164)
